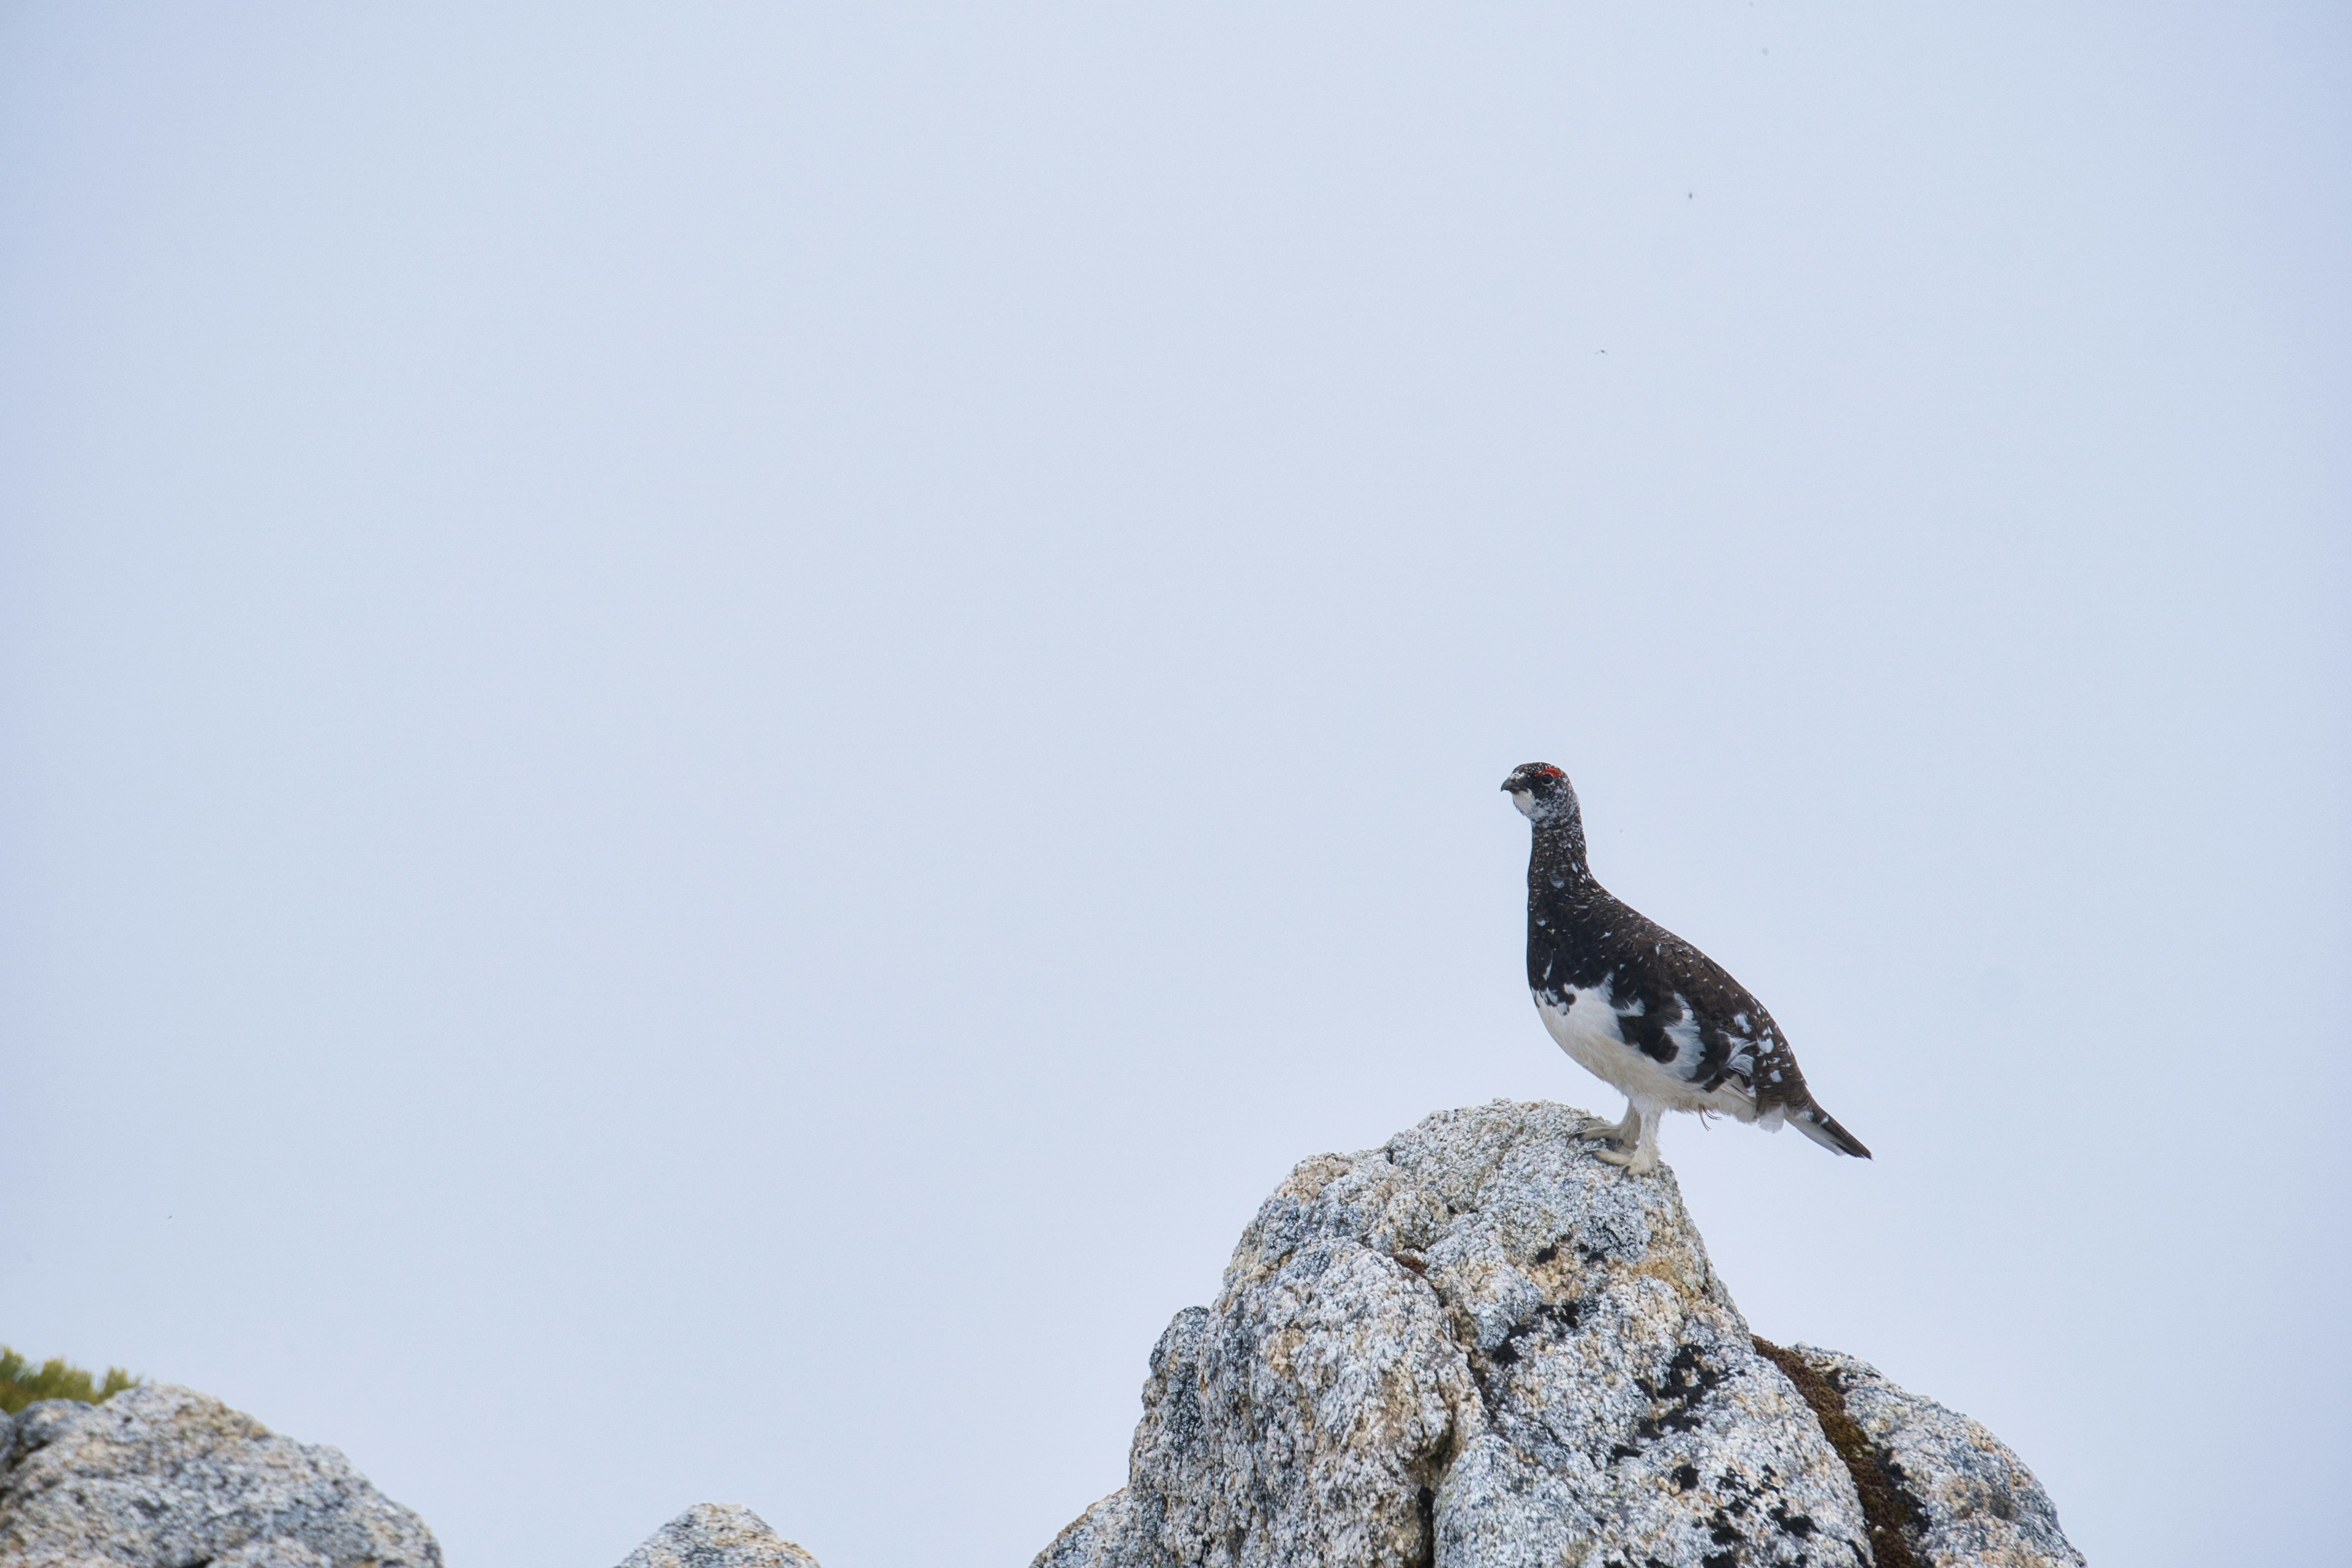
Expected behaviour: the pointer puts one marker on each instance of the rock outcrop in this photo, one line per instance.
(717, 1535)
(164, 1478)
(167, 1478)
(1477, 1346)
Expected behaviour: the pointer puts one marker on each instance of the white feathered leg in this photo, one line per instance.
(1644, 1156)
(1617, 1133)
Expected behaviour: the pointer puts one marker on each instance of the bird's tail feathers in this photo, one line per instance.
(1822, 1128)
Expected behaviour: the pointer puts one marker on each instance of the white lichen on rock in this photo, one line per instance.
(717, 1535)
(1476, 1346)
(162, 1476)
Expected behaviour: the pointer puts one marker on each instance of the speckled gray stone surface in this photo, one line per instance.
(1980, 1507)
(717, 1535)
(163, 1478)
(1476, 1346)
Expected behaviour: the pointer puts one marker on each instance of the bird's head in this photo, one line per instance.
(1541, 792)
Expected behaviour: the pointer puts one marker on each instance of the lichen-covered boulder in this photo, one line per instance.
(1477, 1346)
(717, 1535)
(162, 1476)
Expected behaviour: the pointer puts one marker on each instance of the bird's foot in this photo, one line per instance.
(1605, 1132)
(1641, 1162)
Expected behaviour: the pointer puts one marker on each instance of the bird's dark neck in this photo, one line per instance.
(1557, 864)
(1568, 912)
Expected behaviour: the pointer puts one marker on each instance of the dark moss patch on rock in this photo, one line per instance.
(1892, 1514)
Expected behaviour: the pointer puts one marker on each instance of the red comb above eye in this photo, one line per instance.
(1550, 773)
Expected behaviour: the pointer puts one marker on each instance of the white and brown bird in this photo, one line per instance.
(1641, 1009)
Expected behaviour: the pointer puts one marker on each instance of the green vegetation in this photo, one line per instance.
(21, 1383)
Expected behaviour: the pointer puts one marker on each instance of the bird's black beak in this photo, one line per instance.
(1511, 784)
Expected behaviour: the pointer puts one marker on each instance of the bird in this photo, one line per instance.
(1642, 1009)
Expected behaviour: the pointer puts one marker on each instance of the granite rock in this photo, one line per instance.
(717, 1535)
(1478, 1346)
(1971, 1500)
(162, 1476)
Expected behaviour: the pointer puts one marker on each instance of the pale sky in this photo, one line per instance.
(722, 723)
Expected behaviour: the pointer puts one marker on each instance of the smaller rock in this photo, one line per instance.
(717, 1535)
(162, 1476)
(1973, 1501)
(1102, 1537)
